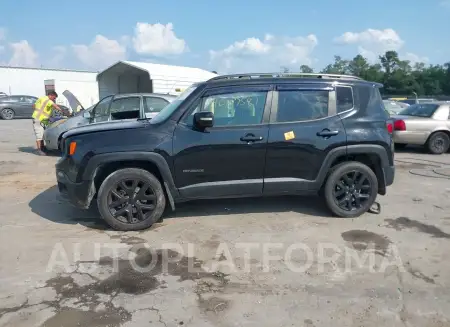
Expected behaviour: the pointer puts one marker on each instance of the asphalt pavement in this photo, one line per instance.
(244, 262)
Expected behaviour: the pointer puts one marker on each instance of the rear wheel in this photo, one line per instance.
(131, 199)
(7, 114)
(438, 143)
(351, 189)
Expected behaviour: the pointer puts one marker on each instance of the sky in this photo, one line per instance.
(226, 36)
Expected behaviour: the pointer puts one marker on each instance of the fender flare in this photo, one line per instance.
(100, 159)
(375, 149)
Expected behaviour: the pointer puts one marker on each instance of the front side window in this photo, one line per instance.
(302, 105)
(125, 108)
(344, 98)
(101, 109)
(234, 109)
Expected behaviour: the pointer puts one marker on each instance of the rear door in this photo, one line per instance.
(304, 127)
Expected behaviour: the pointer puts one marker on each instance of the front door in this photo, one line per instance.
(229, 158)
(304, 127)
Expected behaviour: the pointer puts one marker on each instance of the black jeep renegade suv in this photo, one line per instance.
(236, 136)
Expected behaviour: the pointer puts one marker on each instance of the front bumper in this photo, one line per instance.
(51, 139)
(79, 194)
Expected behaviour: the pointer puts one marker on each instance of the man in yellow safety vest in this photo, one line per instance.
(43, 109)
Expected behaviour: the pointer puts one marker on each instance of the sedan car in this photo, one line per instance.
(113, 107)
(16, 106)
(426, 124)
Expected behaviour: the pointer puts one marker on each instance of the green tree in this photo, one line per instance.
(358, 66)
(399, 77)
(306, 69)
(340, 66)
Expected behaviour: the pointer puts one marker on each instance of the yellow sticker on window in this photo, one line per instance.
(289, 136)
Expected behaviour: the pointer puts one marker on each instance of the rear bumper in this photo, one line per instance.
(79, 194)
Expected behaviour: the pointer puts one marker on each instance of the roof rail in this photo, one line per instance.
(278, 75)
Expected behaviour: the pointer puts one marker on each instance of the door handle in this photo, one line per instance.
(327, 133)
(251, 138)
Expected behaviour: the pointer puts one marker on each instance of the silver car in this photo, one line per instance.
(113, 107)
(426, 124)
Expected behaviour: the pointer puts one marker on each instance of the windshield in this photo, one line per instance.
(420, 110)
(170, 108)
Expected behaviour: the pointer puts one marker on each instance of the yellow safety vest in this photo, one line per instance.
(43, 108)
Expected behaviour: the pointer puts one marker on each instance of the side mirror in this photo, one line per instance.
(203, 119)
(86, 114)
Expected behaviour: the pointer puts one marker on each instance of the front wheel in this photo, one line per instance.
(351, 189)
(7, 114)
(131, 199)
(438, 143)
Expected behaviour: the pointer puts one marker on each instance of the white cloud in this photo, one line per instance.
(268, 54)
(157, 40)
(100, 53)
(23, 54)
(372, 42)
(413, 58)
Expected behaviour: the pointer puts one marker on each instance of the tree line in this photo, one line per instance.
(399, 77)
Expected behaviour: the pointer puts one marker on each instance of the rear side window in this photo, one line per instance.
(302, 105)
(154, 104)
(344, 98)
(420, 110)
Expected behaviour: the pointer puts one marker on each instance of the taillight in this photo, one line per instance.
(399, 125)
(390, 128)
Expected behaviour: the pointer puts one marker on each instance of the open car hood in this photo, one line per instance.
(73, 101)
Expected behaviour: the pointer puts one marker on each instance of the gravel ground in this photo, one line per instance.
(246, 262)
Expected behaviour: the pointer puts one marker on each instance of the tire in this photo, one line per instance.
(400, 146)
(7, 114)
(371, 187)
(438, 143)
(121, 175)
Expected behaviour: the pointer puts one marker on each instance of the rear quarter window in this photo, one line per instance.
(344, 98)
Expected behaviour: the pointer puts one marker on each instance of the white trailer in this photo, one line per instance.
(31, 81)
(135, 77)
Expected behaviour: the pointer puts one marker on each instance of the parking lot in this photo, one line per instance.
(245, 262)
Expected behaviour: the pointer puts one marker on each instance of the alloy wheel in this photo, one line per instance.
(131, 201)
(352, 190)
(8, 114)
